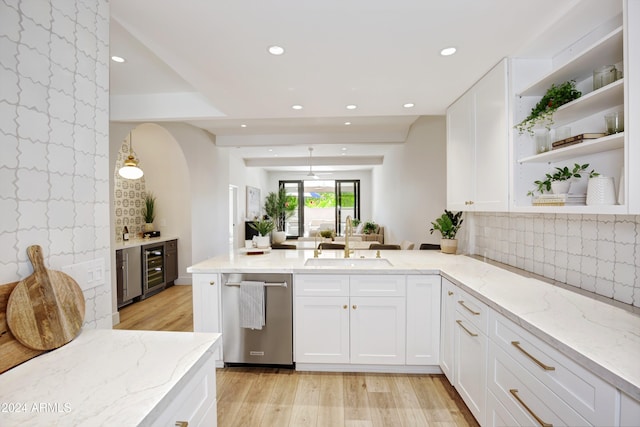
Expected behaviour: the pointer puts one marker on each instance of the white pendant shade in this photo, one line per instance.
(130, 170)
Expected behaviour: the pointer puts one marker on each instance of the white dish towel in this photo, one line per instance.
(252, 311)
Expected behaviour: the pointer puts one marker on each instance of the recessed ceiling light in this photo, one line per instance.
(344, 148)
(351, 107)
(297, 107)
(243, 125)
(347, 123)
(276, 50)
(409, 105)
(117, 59)
(448, 51)
(270, 150)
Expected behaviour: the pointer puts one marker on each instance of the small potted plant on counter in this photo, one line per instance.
(327, 234)
(264, 227)
(448, 225)
(149, 211)
(369, 227)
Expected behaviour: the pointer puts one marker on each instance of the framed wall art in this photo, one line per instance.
(253, 202)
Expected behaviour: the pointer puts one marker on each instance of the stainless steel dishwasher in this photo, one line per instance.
(273, 344)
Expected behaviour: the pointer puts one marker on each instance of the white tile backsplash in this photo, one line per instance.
(597, 253)
(54, 68)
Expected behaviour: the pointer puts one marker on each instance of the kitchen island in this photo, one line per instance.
(115, 378)
(599, 337)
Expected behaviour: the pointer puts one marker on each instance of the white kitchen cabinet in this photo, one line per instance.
(478, 145)
(321, 329)
(377, 330)
(447, 330)
(206, 306)
(423, 320)
(629, 411)
(196, 402)
(497, 414)
(548, 384)
(471, 343)
(358, 319)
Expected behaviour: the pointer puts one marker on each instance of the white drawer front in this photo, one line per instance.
(378, 286)
(528, 400)
(589, 395)
(474, 310)
(327, 285)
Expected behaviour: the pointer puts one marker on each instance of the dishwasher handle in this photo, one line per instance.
(268, 285)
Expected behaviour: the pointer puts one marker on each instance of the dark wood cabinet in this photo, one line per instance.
(170, 261)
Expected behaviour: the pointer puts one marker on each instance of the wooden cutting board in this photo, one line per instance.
(12, 353)
(45, 310)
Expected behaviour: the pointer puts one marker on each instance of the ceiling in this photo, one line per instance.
(206, 63)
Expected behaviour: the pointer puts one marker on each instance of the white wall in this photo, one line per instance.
(54, 148)
(410, 186)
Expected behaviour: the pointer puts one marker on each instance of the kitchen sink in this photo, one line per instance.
(348, 262)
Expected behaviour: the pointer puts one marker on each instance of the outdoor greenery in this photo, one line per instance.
(280, 207)
(542, 113)
(448, 224)
(561, 174)
(149, 209)
(263, 226)
(325, 200)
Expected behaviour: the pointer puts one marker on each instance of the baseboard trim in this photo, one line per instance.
(387, 369)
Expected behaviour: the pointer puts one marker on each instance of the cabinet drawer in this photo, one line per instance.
(328, 285)
(475, 311)
(378, 286)
(590, 396)
(171, 244)
(527, 400)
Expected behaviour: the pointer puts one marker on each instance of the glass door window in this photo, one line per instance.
(347, 202)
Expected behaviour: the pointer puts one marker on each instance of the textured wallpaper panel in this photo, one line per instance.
(54, 103)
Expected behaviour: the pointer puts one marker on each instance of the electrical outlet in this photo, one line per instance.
(88, 274)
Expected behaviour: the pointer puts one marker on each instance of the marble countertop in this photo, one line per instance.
(141, 242)
(103, 378)
(602, 337)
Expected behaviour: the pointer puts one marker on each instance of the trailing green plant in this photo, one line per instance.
(542, 113)
(263, 226)
(561, 174)
(369, 227)
(280, 207)
(149, 209)
(448, 224)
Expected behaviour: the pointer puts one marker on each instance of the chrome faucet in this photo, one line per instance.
(348, 229)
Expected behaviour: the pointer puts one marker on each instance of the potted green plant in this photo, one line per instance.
(560, 181)
(279, 207)
(369, 227)
(542, 113)
(149, 211)
(448, 225)
(327, 234)
(264, 227)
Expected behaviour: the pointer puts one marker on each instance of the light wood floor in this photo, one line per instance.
(281, 397)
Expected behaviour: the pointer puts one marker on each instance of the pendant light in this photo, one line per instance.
(311, 174)
(130, 170)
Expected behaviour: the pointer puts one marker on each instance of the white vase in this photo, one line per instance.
(449, 246)
(278, 236)
(560, 187)
(262, 242)
(601, 191)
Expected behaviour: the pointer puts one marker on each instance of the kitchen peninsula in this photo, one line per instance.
(593, 344)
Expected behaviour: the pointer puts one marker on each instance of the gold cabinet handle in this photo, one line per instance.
(475, 313)
(182, 424)
(514, 393)
(345, 306)
(516, 344)
(459, 322)
(354, 306)
(450, 293)
(211, 283)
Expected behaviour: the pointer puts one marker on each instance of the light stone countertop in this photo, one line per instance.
(603, 337)
(141, 242)
(103, 378)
